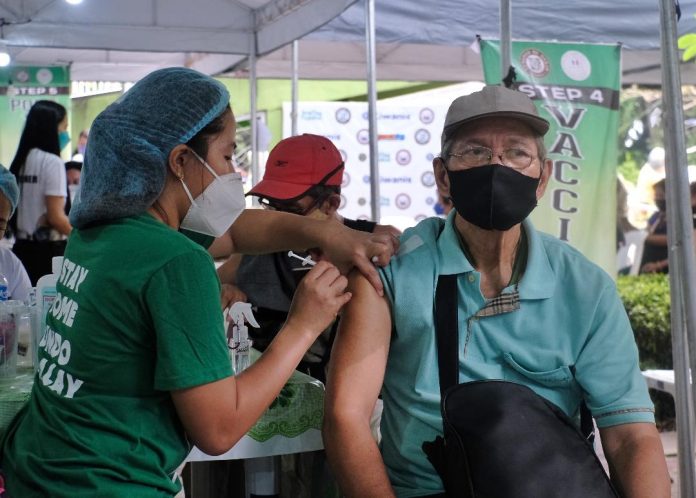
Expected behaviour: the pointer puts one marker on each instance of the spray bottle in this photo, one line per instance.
(45, 295)
(238, 334)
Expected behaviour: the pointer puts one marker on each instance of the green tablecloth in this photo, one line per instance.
(299, 407)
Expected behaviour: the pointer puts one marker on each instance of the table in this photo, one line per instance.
(292, 424)
(662, 380)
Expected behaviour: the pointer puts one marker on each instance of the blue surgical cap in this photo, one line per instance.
(8, 187)
(125, 165)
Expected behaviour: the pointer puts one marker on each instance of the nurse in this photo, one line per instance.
(133, 364)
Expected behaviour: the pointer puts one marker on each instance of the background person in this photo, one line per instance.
(73, 171)
(134, 366)
(81, 145)
(655, 257)
(303, 176)
(18, 284)
(40, 224)
(520, 293)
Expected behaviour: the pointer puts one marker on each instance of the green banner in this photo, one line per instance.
(576, 88)
(20, 87)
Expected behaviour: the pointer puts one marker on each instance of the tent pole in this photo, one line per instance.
(295, 70)
(505, 41)
(681, 249)
(372, 107)
(252, 118)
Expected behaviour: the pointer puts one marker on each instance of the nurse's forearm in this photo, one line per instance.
(258, 231)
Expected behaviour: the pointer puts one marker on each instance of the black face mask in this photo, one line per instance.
(493, 197)
(661, 205)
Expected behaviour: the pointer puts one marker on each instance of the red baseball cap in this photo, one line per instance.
(297, 164)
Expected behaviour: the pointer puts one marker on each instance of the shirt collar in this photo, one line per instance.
(539, 279)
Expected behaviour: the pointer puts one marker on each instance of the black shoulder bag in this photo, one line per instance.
(501, 439)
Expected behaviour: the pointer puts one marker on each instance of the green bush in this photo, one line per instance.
(646, 299)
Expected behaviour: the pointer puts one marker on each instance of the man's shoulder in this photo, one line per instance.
(417, 254)
(567, 261)
(424, 235)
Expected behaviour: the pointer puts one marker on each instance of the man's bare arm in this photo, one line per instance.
(356, 372)
(636, 460)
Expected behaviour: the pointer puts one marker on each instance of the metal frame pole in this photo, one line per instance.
(295, 84)
(505, 40)
(372, 107)
(252, 117)
(682, 262)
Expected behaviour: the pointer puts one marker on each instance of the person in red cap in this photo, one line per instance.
(303, 176)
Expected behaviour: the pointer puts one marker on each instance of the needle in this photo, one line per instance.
(305, 261)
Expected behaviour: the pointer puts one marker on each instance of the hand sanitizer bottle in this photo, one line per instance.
(238, 334)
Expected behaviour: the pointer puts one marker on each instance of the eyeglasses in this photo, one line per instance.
(473, 156)
(291, 207)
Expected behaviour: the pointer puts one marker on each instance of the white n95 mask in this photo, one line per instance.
(217, 207)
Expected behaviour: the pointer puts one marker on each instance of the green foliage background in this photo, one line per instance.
(646, 299)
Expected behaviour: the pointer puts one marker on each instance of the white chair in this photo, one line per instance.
(631, 253)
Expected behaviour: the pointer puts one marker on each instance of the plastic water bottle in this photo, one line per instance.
(4, 288)
(45, 295)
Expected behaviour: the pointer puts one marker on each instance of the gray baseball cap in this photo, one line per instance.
(493, 101)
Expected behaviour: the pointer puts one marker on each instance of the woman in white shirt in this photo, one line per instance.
(40, 224)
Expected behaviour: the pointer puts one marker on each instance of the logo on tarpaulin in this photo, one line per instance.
(403, 157)
(428, 179)
(312, 115)
(422, 136)
(576, 65)
(363, 136)
(426, 115)
(342, 115)
(535, 62)
(402, 201)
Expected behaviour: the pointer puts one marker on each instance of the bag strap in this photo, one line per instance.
(447, 331)
(447, 338)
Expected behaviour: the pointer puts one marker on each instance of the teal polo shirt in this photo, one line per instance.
(569, 317)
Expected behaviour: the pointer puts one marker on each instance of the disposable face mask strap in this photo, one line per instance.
(188, 192)
(212, 172)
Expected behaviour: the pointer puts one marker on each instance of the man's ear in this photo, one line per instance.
(441, 177)
(544, 179)
(177, 160)
(331, 205)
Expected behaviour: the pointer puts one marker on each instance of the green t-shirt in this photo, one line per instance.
(137, 315)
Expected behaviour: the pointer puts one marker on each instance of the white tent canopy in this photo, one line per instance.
(416, 40)
(431, 41)
(124, 40)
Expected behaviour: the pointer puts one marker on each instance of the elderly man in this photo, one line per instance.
(532, 310)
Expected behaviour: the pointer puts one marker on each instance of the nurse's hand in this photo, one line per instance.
(319, 297)
(348, 248)
(230, 294)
